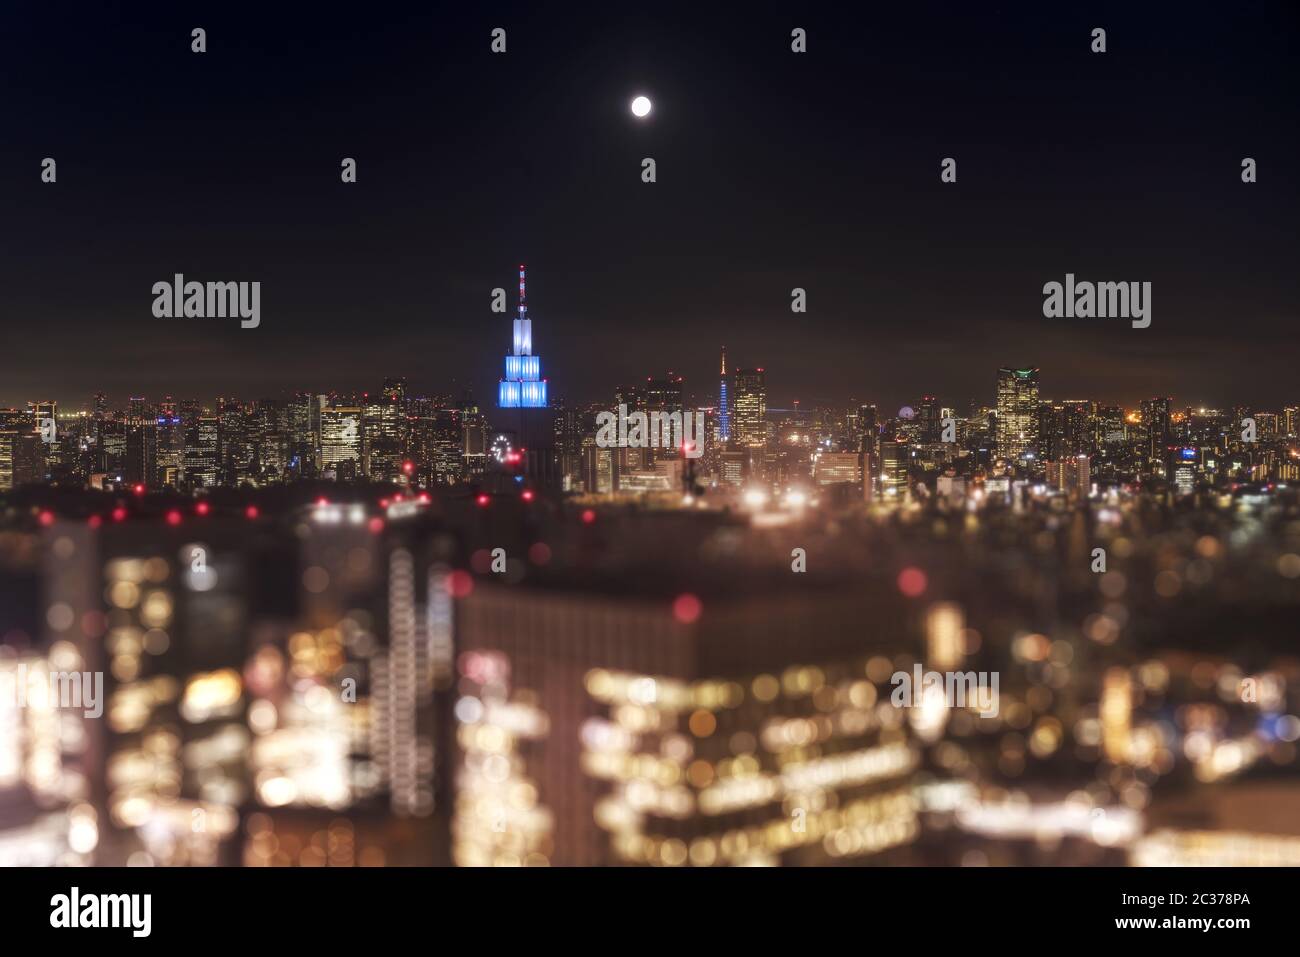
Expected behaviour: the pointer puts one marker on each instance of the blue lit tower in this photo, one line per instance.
(724, 413)
(522, 387)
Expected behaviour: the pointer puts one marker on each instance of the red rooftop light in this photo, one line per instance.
(459, 584)
(912, 582)
(119, 514)
(687, 608)
(483, 500)
(251, 512)
(173, 517)
(202, 508)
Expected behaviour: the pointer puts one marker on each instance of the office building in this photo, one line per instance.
(1017, 411)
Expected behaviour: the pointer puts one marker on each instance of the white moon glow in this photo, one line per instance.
(641, 106)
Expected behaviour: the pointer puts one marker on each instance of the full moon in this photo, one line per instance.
(641, 106)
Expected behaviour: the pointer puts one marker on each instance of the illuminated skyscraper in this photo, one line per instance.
(304, 426)
(1017, 432)
(1108, 426)
(169, 458)
(341, 441)
(201, 450)
(141, 466)
(1155, 425)
(448, 446)
(751, 408)
(234, 451)
(556, 745)
(522, 387)
(895, 456)
(1072, 474)
(395, 389)
(868, 428)
(929, 416)
(665, 397)
(1182, 471)
(383, 425)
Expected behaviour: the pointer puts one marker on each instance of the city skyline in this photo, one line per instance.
(775, 172)
(84, 399)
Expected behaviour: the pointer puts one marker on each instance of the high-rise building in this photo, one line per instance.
(112, 448)
(571, 425)
(234, 449)
(837, 468)
(665, 397)
(395, 389)
(749, 409)
(13, 422)
(895, 456)
(638, 737)
(598, 472)
(630, 458)
(1071, 474)
(530, 429)
(169, 457)
(1182, 470)
(1063, 429)
(448, 447)
(1017, 433)
(929, 418)
(733, 467)
(43, 409)
(342, 441)
(141, 465)
(523, 387)
(868, 429)
(304, 434)
(474, 439)
(1156, 427)
(384, 428)
(22, 457)
(202, 449)
(1108, 426)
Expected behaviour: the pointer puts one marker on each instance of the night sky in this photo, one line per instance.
(775, 170)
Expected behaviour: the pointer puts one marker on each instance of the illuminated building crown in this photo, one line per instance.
(523, 387)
